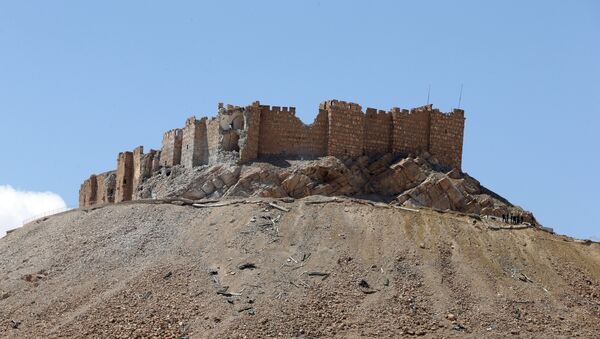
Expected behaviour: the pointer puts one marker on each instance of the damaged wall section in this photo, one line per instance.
(98, 189)
(282, 133)
(250, 136)
(144, 165)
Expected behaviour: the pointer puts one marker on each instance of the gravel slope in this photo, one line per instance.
(338, 269)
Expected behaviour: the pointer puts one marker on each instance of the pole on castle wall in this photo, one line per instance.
(428, 92)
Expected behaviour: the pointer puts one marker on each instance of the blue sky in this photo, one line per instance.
(81, 81)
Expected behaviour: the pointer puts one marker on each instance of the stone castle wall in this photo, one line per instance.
(212, 139)
(248, 133)
(171, 148)
(410, 130)
(98, 189)
(446, 137)
(250, 141)
(194, 144)
(106, 185)
(137, 165)
(88, 191)
(143, 167)
(282, 133)
(378, 129)
(346, 129)
(124, 187)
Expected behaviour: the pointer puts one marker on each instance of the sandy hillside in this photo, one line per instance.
(339, 269)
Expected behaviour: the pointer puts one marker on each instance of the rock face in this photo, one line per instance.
(411, 182)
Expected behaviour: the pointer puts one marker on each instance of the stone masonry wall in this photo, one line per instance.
(124, 189)
(171, 148)
(147, 164)
(346, 129)
(106, 186)
(377, 132)
(137, 166)
(88, 191)
(98, 189)
(250, 139)
(194, 146)
(156, 161)
(142, 167)
(410, 130)
(213, 139)
(282, 133)
(446, 140)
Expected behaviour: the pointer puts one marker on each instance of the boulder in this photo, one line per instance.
(411, 170)
(457, 198)
(380, 165)
(438, 197)
(228, 178)
(296, 185)
(218, 183)
(208, 187)
(471, 206)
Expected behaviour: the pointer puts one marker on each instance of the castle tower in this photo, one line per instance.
(170, 154)
(124, 185)
(194, 146)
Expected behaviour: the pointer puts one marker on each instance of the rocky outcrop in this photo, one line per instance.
(411, 182)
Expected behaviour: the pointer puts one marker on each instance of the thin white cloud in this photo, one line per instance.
(17, 206)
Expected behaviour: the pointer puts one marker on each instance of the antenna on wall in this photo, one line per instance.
(428, 92)
(460, 95)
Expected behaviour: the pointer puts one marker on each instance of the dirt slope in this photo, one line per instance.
(338, 269)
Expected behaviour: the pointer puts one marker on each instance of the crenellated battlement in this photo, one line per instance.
(373, 112)
(176, 132)
(278, 109)
(257, 131)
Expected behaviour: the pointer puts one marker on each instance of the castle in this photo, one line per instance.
(245, 134)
